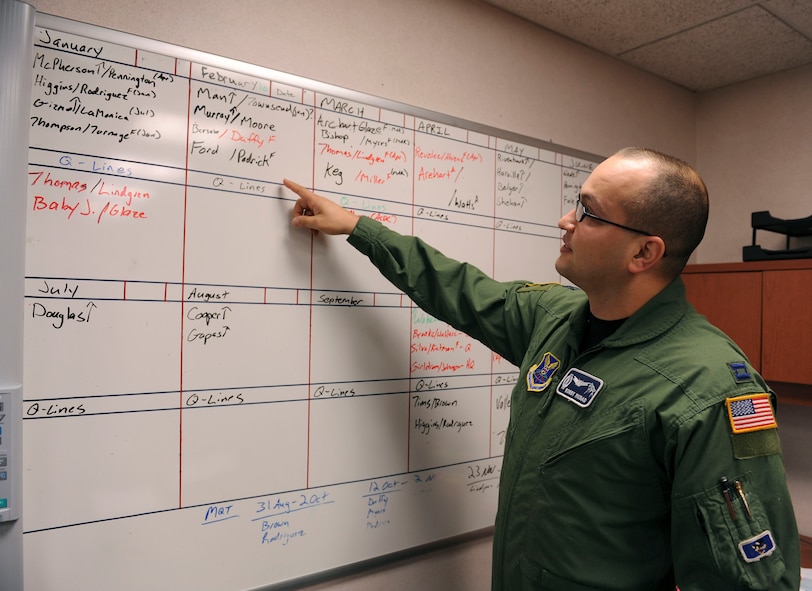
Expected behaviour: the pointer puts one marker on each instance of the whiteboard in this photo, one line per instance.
(216, 401)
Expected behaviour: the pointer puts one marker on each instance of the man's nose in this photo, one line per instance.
(567, 221)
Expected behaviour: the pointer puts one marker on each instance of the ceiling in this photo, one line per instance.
(698, 44)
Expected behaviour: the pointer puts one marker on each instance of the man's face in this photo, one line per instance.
(595, 255)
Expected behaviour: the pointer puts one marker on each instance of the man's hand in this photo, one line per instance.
(319, 214)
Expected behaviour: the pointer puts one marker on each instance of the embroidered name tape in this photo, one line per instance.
(541, 374)
(757, 547)
(750, 413)
(579, 387)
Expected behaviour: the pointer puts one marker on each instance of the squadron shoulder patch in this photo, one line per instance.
(753, 412)
(541, 374)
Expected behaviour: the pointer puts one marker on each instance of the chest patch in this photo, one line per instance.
(540, 375)
(750, 413)
(579, 387)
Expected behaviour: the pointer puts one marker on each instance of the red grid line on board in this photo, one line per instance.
(309, 361)
(411, 316)
(310, 311)
(182, 289)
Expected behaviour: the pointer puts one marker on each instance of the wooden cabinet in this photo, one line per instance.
(765, 307)
(786, 335)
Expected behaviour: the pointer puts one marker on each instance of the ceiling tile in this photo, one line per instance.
(699, 44)
(619, 25)
(741, 46)
(797, 13)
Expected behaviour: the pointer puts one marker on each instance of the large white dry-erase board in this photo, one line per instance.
(216, 401)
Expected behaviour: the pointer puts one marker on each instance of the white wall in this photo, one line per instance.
(754, 150)
(459, 57)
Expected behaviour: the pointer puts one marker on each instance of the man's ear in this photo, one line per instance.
(651, 250)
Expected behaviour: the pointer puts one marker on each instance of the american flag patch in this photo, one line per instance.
(750, 413)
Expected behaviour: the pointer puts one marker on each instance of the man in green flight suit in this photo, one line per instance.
(642, 451)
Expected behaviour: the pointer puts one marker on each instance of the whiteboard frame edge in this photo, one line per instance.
(108, 35)
(354, 568)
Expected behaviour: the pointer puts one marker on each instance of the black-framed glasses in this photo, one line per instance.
(582, 212)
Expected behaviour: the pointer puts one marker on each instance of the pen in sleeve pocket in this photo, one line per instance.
(725, 484)
(740, 490)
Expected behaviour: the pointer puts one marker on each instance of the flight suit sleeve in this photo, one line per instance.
(738, 533)
(454, 292)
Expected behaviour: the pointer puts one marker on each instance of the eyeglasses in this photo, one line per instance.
(582, 212)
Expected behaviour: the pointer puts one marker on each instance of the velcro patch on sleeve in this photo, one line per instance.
(752, 412)
(537, 286)
(756, 444)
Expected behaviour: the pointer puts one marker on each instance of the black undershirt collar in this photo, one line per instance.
(597, 330)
